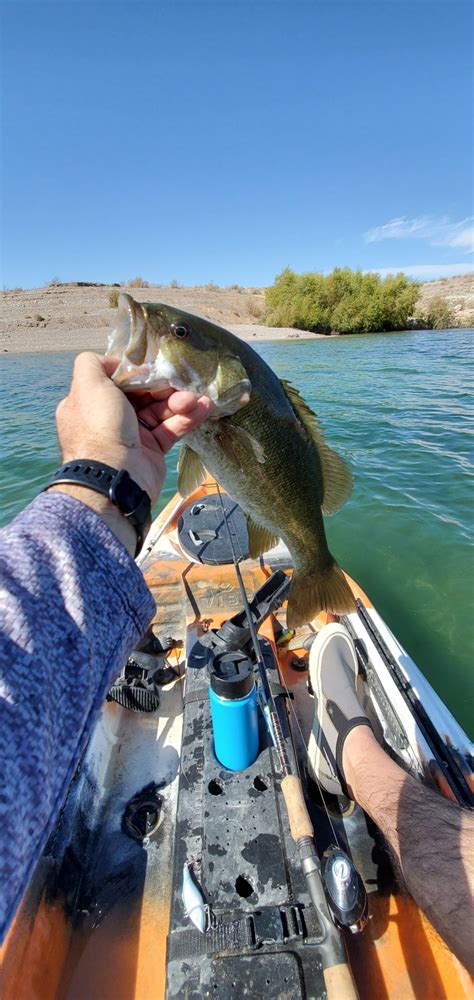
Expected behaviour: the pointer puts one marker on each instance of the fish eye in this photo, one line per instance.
(181, 329)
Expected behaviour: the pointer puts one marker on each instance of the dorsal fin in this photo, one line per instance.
(337, 477)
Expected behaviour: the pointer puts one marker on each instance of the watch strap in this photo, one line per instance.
(133, 502)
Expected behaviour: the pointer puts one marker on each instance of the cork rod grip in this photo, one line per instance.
(340, 983)
(298, 816)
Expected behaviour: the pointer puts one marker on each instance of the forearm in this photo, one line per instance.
(432, 839)
(74, 606)
(113, 518)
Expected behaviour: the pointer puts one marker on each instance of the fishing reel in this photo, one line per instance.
(344, 889)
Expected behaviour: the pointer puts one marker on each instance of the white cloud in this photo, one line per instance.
(437, 231)
(428, 272)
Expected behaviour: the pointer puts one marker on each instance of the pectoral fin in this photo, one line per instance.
(238, 445)
(337, 477)
(191, 471)
(260, 538)
(230, 389)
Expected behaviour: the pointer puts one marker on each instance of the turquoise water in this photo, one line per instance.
(397, 407)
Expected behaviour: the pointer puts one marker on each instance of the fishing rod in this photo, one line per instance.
(338, 977)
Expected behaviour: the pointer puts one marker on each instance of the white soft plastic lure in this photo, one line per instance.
(193, 901)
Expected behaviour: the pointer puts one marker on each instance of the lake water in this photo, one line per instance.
(397, 406)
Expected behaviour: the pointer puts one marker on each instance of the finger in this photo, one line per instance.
(157, 411)
(182, 401)
(91, 366)
(90, 377)
(109, 365)
(179, 424)
(95, 367)
(140, 398)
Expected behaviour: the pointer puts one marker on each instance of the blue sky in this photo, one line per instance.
(221, 140)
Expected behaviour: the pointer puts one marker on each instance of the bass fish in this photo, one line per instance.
(263, 443)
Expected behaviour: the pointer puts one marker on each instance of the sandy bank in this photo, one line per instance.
(77, 317)
(51, 340)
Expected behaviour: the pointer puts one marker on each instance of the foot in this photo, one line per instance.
(333, 672)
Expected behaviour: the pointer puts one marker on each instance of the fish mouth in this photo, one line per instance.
(136, 343)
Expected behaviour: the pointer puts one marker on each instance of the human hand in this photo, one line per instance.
(98, 421)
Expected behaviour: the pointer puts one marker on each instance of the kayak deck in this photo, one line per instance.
(103, 916)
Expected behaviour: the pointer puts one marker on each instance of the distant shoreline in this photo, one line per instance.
(59, 341)
(80, 316)
(76, 341)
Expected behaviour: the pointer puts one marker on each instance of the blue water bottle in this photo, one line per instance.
(234, 711)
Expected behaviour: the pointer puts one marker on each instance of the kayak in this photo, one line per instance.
(170, 875)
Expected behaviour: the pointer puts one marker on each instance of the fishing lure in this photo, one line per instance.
(193, 900)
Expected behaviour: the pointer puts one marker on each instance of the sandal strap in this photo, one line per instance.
(344, 726)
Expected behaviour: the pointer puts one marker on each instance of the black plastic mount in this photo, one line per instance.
(234, 634)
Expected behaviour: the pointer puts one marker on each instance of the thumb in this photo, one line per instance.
(95, 368)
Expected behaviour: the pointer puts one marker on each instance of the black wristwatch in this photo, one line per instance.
(133, 502)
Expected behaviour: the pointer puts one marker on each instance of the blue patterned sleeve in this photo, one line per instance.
(73, 605)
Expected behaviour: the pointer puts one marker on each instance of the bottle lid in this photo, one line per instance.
(231, 675)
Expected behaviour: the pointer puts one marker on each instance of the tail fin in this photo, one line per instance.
(318, 590)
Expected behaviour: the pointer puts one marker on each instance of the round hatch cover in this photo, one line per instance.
(204, 534)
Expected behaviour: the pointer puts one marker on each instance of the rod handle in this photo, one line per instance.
(298, 816)
(339, 983)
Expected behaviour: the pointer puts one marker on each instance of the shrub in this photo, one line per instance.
(439, 315)
(255, 308)
(211, 287)
(113, 298)
(54, 281)
(174, 283)
(138, 283)
(344, 301)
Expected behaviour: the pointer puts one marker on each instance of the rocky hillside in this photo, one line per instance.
(458, 292)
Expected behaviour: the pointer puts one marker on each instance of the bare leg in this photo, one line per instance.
(432, 838)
